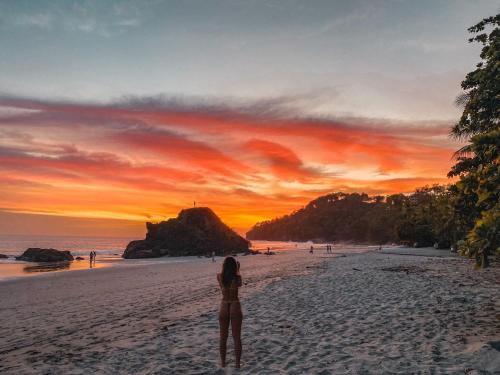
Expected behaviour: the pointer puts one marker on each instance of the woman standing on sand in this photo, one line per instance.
(230, 308)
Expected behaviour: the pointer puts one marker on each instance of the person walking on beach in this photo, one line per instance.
(213, 256)
(311, 250)
(230, 308)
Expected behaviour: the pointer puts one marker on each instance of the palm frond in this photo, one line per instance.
(463, 152)
(462, 99)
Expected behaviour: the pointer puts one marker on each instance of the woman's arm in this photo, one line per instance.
(238, 280)
(238, 275)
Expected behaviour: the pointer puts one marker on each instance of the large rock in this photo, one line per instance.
(45, 255)
(195, 231)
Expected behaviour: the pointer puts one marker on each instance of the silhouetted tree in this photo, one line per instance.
(478, 164)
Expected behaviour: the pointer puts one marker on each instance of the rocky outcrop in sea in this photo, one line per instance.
(195, 231)
(45, 255)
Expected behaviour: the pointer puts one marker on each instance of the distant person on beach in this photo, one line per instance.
(93, 255)
(213, 256)
(230, 308)
(311, 250)
(268, 251)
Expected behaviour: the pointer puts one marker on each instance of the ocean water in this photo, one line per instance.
(110, 247)
(79, 246)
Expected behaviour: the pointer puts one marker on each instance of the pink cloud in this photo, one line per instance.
(149, 156)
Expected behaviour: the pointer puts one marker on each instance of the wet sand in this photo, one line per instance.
(15, 269)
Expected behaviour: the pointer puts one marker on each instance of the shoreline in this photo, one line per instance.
(11, 269)
(302, 313)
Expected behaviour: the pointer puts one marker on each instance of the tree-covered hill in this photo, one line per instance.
(425, 217)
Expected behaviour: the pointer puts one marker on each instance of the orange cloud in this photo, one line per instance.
(280, 160)
(181, 150)
(146, 159)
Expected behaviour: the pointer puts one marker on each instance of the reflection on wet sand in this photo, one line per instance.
(12, 269)
(60, 266)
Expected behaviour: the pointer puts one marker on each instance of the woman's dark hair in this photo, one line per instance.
(229, 269)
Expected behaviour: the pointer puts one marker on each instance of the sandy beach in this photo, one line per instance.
(362, 313)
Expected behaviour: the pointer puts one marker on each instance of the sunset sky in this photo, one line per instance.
(113, 113)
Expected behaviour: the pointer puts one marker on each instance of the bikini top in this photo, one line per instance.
(230, 293)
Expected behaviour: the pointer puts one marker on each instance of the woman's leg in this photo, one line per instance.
(224, 331)
(236, 320)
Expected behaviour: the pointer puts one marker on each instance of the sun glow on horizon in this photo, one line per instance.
(140, 163)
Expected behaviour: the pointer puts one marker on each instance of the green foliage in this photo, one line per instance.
(485, 236)
(481, 86)
(425, 217)
(478, 163)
